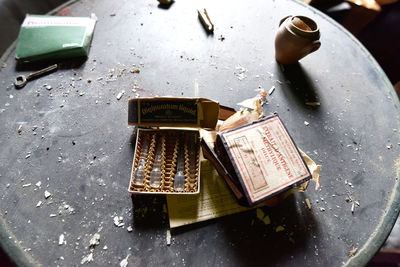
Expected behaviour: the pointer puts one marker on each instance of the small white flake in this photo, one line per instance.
(52, 215)
(129, 228)
(322, 209)
(306, 123)
(48, 87)
(119, 96)
(105, 248)
(61, 240)
(47, 194)
(39, 204)
(168, 237)
(38, 184)
(271, 90)
(124, 262)
(119, 221)
(87, 258)
(94, 241)
(26, 185)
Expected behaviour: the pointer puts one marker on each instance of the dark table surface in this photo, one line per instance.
(81, 148)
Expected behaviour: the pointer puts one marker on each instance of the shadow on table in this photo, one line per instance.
(73, 63)
(149, 212)
(301, 85)
(254, 243)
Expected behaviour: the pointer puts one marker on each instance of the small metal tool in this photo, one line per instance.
(21, 80)
(205, 20)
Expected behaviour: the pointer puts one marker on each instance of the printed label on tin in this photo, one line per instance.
(266, 158)
(182, 111)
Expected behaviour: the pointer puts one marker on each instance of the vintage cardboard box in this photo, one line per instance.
(167, 149)
(54, 37)
(258, 160)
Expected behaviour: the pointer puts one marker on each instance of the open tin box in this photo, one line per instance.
(258, 160)
(167, 150)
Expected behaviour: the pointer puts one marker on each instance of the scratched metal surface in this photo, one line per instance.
(81, 148)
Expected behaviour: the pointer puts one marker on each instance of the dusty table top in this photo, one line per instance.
(73, 141)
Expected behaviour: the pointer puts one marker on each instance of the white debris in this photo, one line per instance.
(52, 215)
(119, 221)
(119, 96)
(168, 237)
(105, 248)
(26, 185)
(94, 241)
(61, 240)
(47, 194)
(39, 204)
(129, 228)
(240, 72)
(87, 258)
(322, 209)
(48, 87)
(271, 90)
(124, 262)
(38, 184)
(306, 123)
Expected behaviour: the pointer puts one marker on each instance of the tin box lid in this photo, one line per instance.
(173, 112)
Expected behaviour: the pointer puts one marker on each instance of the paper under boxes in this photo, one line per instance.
(167, 160)
(258, 160)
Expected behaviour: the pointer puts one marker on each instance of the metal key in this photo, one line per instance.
(21, 80)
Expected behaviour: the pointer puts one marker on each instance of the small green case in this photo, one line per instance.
(54, 37)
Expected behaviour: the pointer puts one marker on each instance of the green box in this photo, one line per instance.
(54, 37)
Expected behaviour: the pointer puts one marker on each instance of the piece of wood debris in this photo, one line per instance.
(19, 129)
(89, 80)
(136, 70)
(260, 213)
(279, 228)
(94, 241)
(313, 104)
(267, 220)
(308, 203)
(353, 251)
(124, 262)
(168, 237)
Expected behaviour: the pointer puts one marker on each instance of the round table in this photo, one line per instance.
(74, 142)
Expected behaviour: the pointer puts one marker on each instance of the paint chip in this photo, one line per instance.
(61, 240)
(168, 237)
(124, 262)
(94, 241)
(47, 194)
(87, 258)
